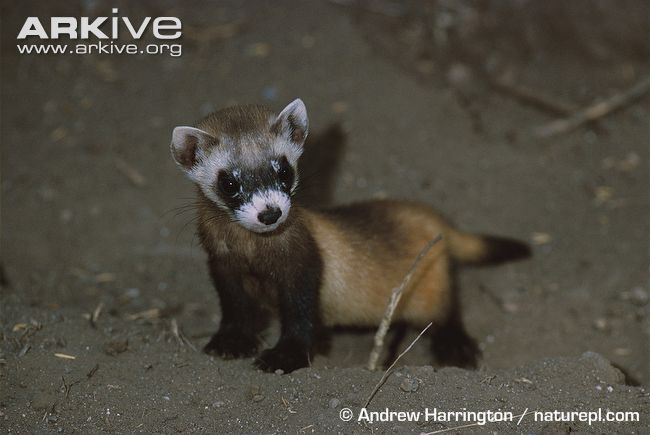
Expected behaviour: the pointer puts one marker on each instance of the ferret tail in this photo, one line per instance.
(485, 250)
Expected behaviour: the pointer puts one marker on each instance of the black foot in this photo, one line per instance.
(285, 358)
(452, 346)
(228, 344)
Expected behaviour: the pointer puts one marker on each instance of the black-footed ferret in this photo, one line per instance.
(315, 267)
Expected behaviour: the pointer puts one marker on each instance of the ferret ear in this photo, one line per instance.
(292, 122)
(185, 143)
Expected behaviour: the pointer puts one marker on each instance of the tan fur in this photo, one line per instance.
(360, 274)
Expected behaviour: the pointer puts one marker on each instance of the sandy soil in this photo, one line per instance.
(91, 218)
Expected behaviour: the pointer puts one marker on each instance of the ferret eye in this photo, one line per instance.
(285, 173)
(227, 184)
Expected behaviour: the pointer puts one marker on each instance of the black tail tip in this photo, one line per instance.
(503, 249)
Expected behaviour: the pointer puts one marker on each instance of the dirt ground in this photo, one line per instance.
(100, 261)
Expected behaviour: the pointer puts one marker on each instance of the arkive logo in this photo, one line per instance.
(100, 35)
(82, 28)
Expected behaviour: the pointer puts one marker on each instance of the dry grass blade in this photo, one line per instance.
(532, 97)
(132, 174)
(95, 315)
(465, 426)
(64, 356)
(392, 305)
(388, 370)
(150, 314)
(180, 337)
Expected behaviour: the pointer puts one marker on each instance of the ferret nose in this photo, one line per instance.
(270, 215)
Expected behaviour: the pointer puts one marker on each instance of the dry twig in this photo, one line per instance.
(532, 97)
(465, 426)
(595, 111)
(388, 370)
(92, 371)
(68, 387)
(95, 315)
(132, 174)
(180, 337)
(64, 356)
(392, 305)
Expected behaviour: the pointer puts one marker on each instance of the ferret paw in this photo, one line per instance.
(282, 358)
(229, 345)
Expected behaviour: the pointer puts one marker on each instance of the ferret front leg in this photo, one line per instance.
(237, 336)
(298, 302)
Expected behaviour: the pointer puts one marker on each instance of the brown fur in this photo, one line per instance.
(335, 266)
(367, 248)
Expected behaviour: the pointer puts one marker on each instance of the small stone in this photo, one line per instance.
(258, 49)
(58, 133)
(510, 307)
(458, 74)
(409, 385)
(603, 195)
(340, 107)
(218, 404)
(258, 398)
(66, 215)
(426, 67)
(270, 92)
(115, 347)
(334, 403)
(622, 351)
(639, 295)
(279, 372)
(540, 238)
(600, 324)
(307, 41)
(52, 418)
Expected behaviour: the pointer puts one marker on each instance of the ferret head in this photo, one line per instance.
(244, 159)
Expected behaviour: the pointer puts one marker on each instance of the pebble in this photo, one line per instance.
(115, 347)
(258, 49)
(307, 41)
(334, 403)
(218, 404)
(600, 324)
(340, 107)
(639, 295)
(409, 385)
(66, 215)
(458, 74)
(279, 372)
(541, 238)
(270, 93)
(256, 393)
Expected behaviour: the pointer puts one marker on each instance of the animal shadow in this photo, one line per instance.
(319, 166)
